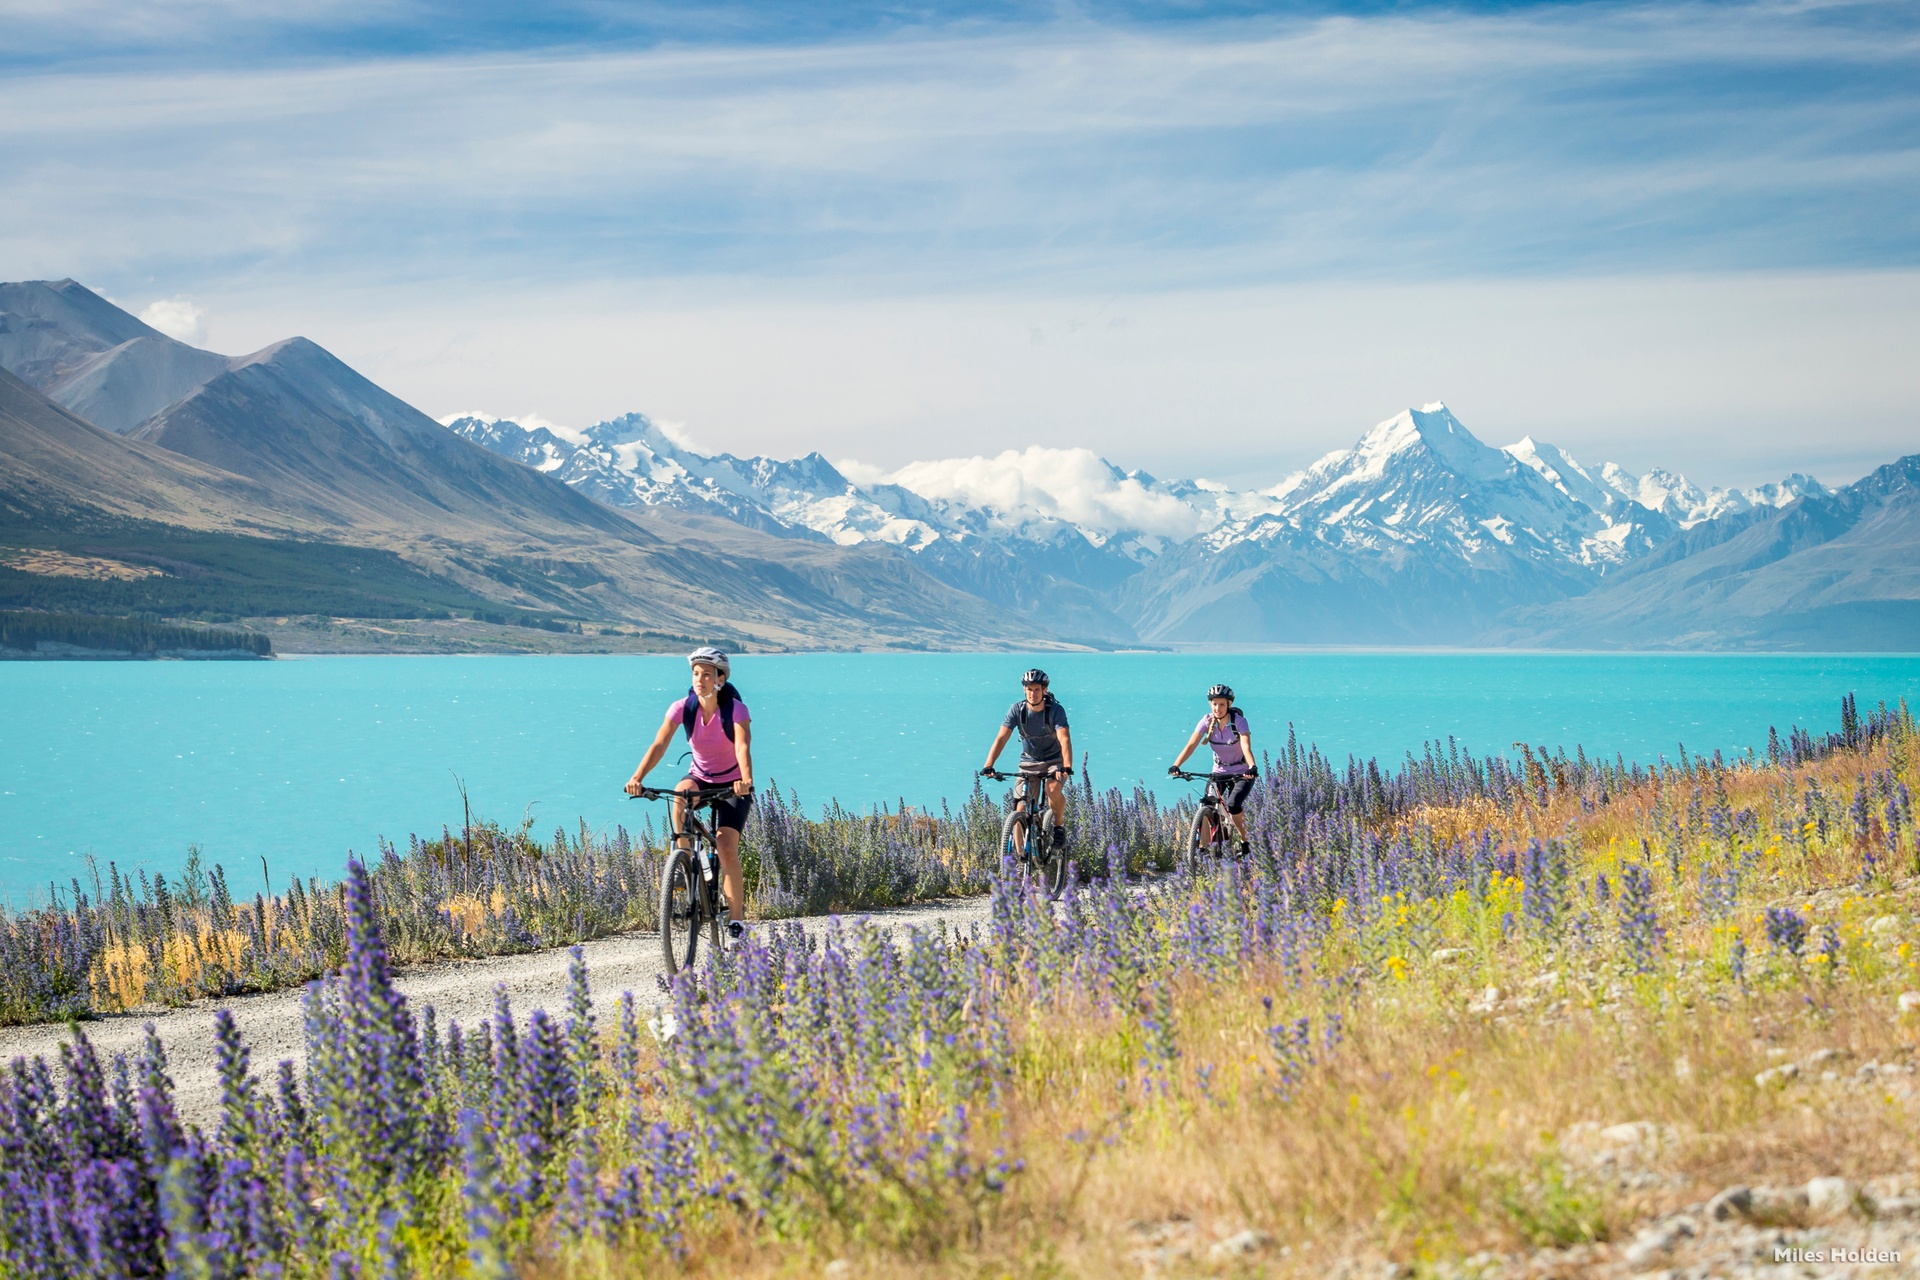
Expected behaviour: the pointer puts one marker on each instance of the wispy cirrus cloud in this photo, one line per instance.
(448, 192)
(1429, 144)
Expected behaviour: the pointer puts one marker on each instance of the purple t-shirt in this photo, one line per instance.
(1225, 741)
(714, 759)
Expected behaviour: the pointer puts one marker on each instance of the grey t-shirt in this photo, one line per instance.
(1036, 729)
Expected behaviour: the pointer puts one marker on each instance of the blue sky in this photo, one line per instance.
(1200, 238)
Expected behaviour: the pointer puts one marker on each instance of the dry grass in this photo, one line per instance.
(63, 564)
(121, 972)
(1430, 1133)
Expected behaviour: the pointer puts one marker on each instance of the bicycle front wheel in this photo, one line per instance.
(682, 904)
(1206, 840)
(1049, 859)
(1028, 840)
(1013, 837)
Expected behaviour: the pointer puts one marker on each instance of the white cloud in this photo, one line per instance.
(678, 433)
(864, 474)
(179, 319)
(1075, 485)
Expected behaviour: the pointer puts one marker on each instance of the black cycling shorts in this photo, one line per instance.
(1234, 794)
(729, 812)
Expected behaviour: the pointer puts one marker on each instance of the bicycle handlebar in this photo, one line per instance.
(1052, 769)
(1185, 776)
(699, 795)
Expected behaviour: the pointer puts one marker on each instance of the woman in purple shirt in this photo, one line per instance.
(717, 728)
(1225, 730)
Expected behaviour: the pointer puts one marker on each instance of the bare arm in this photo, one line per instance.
(1066, 747)
(1193, 741)
(743, 749)
(1246, 748)
(661, 740)
(999, 743)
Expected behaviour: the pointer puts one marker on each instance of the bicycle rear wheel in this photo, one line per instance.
(682, 904)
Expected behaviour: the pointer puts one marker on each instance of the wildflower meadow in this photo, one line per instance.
(1378, 1039)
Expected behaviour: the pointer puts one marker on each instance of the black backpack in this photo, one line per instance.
(1046, 711)
(690, 709)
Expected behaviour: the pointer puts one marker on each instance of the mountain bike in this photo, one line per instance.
(1211, 834)
(690, 879)
(1027, 834)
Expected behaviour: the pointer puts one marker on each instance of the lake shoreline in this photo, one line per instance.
(77, 653)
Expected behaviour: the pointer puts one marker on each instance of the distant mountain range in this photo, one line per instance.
(284, 481)
(1418, 534)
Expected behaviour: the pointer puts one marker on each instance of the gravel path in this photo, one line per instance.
(459, 991)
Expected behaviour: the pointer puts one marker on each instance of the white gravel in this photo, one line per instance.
(459, 991)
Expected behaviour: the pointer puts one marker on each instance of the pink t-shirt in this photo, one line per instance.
(714, 759)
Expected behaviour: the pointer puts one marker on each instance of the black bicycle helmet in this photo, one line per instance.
(1220, 691)
(1034, 676)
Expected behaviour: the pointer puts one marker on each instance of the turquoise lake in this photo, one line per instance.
(303, 760)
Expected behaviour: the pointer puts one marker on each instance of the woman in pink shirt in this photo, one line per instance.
(717, 728)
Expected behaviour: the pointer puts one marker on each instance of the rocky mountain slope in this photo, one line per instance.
(58, 465)
(89, 356)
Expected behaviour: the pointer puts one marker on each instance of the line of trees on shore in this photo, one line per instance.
(23, 631)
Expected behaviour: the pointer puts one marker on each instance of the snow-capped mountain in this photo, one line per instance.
(630, 462)
(1422, 481)
(1419, 508)
(1689, 505)
(1024, 559)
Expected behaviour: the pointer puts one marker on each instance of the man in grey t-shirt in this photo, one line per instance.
(1046, 746)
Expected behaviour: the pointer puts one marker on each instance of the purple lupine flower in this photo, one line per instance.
(1640, 927)
(485, 1203)
(1786, 930)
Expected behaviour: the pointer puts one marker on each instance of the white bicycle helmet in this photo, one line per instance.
(712, 657)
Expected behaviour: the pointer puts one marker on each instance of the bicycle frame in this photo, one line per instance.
(701, 834)
(1211, 822)
(692, 844)
(1032, 815)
